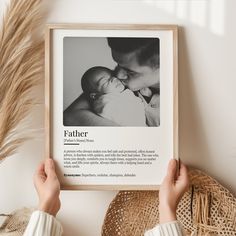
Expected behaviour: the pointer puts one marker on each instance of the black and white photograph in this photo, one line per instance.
(111, 81)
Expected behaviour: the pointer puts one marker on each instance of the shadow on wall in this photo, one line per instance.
(208, 14)
(193, 140)
(204, 127)
(203, 13)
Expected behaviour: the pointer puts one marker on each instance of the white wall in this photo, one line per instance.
(207, 99)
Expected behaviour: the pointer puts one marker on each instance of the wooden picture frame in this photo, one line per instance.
(168, 36)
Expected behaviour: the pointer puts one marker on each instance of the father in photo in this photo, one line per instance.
(138, 65)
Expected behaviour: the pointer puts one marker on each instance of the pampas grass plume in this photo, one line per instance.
(21, 69)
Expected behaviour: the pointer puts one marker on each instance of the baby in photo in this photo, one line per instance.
(110, 99)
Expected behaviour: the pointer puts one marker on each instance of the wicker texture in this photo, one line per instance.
(16, 223)
(206, 209)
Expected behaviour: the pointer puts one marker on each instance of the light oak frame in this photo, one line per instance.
(48, 102)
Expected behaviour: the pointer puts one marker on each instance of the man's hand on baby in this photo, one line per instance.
(147, 92)
(152, 109)
(171, 191)
(155, 101)
(152, 117)
(48, 187)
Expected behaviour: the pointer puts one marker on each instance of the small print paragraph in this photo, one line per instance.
(79, 158)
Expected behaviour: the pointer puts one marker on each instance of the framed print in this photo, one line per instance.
(111, 104)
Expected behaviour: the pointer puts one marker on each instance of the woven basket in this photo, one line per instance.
(206, 209)
(16, 222)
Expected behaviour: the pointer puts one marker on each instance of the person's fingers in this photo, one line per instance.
(171, 171)
(155, 100)
(183, 171)
(40, 174)
(142, 98)
(40, 169)
(50, 168)
(146, 92)
(183, 175)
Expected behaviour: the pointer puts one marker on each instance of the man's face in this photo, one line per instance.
(133, 75)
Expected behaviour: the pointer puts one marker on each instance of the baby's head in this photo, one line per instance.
(99, 80)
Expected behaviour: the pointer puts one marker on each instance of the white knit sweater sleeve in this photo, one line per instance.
(173, 228)
(43, 224)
